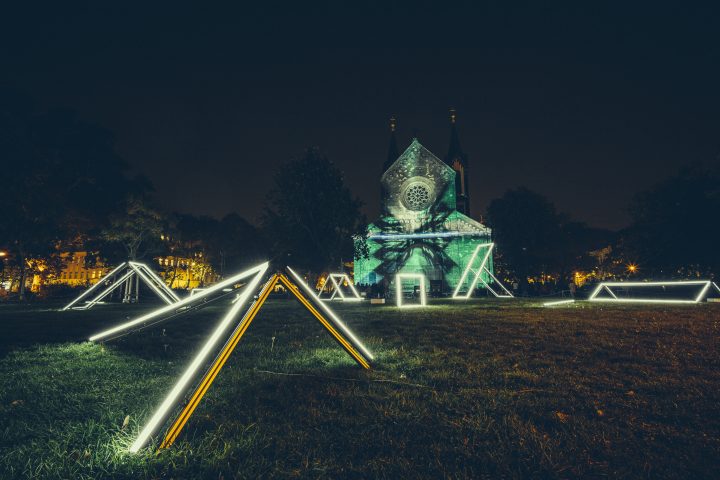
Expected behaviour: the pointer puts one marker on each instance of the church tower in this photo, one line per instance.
(393, 153)
(457, 159)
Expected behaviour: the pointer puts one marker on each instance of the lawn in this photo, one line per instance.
(487, 388)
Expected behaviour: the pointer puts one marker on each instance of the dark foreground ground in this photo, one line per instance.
(482, 389)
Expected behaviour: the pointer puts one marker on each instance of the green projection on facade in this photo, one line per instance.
(420, 229)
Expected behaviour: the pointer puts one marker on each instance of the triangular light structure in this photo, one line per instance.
(119, 276)
(324, 314)
(337, 280)
(604, 291)
(476, 273)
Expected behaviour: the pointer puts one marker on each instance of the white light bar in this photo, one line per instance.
(182, 384)
(134, 268)
(337, 279)
(159, 281)
(92, 288)
(151, 283)
(608, 286)
(558, 302)
(348, 333)
(182, 303)
(413, 236)
(399, 290)
(118, 283)
(478, 275)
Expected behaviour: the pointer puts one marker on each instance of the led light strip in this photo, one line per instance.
(413, 236)
(160, 293)
(134, 268)
(337, 279)
(222, 357)
(182, 384)
(478, 275)
(118, 283)
(559, 302)
(345, 330)
(92, 288)
(159, 281)
(399, 291)
(182, 303)
(606, 286)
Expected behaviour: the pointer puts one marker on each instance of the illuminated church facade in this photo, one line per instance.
(425, 225)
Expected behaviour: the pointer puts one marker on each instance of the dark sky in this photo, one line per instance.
(585, 104)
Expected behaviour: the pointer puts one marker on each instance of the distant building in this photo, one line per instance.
(186, 273)
(178, 272)
(77, 272)
(425, 225)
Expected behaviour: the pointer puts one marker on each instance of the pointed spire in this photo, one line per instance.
(393, 153)
(454, 149)
(457, 159)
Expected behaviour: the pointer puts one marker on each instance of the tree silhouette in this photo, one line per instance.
(312, 217)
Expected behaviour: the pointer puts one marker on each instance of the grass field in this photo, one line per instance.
(496, 389)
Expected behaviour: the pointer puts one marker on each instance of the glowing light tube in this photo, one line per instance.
(414, 236)
(117, 284)
(558, 302)
(608, 286)
(478, 275)
(339, 323)
(337, 279)
(182, 303)
(182, 384)
(159, 281)
(160, 293)
(399, 291)
(91, 289)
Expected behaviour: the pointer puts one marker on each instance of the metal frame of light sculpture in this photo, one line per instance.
(133, 268)
(607, 287)
(346, 339)
(399, 290)
(337, 279)
(478, 275)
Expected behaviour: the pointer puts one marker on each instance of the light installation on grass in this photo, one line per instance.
(337, 280)
(328, 311)
(332, 324)
(399, 289)
(477, 274)
(558, 302)
(144, 272)
(144, 319)
(606, 287)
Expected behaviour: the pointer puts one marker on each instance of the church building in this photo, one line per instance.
(425, 224)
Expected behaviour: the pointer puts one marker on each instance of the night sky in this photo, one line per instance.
(586, 105)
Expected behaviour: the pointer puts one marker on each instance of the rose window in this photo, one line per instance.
(417, 196)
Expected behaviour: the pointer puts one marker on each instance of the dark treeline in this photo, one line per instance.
(673, 234)
(66, 189)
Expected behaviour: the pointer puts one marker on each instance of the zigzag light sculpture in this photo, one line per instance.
(337, 280)
(478, 275)
(607, 287)
(144, 272)
(399, 289)
(332, 324)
